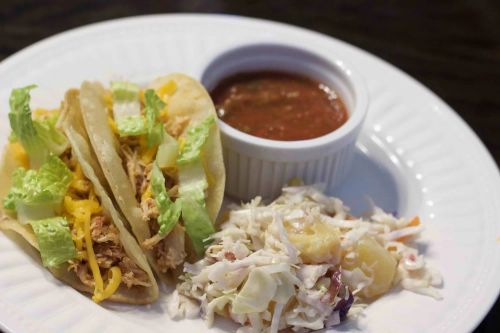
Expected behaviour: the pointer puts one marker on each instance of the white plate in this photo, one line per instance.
(415, 156)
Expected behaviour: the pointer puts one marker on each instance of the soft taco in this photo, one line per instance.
(160, 151)
(54, 196)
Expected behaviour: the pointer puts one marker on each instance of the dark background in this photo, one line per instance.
(452, 47)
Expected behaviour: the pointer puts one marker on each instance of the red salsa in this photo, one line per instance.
(279, 106)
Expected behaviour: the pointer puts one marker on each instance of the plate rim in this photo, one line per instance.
(486, 156)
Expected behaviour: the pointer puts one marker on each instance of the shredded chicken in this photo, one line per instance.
(173, 192)
(169, 252)
(132, 275)
(135, 169)
(176, 125)
(149, 210)
(103, 231)
(68, 159)
(82, 271)
(109, 252)
(149, 243)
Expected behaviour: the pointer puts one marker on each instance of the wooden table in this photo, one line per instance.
(451, 47)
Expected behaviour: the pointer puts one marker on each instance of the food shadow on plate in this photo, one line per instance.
(157, 308)
(369, 181)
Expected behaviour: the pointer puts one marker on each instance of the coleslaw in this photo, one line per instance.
(301, 262)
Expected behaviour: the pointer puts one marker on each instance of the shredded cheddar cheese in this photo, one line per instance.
(166, 90)
(141, 96)
(182, 143)
(80, 212)
(112, 125)
(147, 194)
(108, 100)
(164, 115)
(114, 280)
(79, 182)
(19, 154)
(94, 267)
(146, 154)
(44, 113)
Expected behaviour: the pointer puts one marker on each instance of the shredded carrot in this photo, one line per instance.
(413, 223)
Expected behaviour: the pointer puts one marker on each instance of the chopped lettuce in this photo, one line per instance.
(54, 139)
(126, 104)
(38, 137)
(195, 139)
(54, 240)
(23, 127)
(154, 105)
(169, 212)
(124, 91)
(131, 123)
(197, 223)
(193, 181)
(37, 194)
(12, 137)
(167, 152)
(131, 126)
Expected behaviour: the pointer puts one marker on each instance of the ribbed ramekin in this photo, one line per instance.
(257, 166)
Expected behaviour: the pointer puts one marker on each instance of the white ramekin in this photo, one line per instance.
(257, 166)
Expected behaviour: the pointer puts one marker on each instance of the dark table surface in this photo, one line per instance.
(452, 47)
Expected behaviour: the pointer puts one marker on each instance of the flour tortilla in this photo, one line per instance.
(190, 99)
(72, 125)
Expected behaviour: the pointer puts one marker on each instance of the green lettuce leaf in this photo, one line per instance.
(131, 126)
(123, 91)
(197, 223)
(54, 240)
(12, 137)
(195, 139)
(193, 181)
(17, 188)
(169, 212)
(37, 194)
(167, 152)
(38, 137)
(133, 123)
(127, 108)
(54, 139)
(23, 127)
(153, 106)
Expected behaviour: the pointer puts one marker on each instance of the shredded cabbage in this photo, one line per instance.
(255, 273)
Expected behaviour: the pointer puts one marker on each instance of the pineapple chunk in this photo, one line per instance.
(318, 243)
(382, 264)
